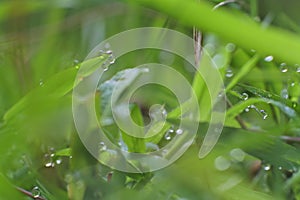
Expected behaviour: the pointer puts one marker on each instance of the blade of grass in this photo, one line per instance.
(280, 43)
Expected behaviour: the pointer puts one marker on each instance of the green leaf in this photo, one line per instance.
(135, 144)
(64, 152)
(250, 35)
(55, 87)
(245, 69)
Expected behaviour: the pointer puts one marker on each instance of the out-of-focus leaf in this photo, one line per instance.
(225, 24)
(7, 190)
(57, 86)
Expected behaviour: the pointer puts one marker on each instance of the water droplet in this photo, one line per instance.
(49, 157)
(293, 84)
(222, 163)
(41, 83)
(102, 146)
(230, 47)
(157, 112)
(283, 67)
(229, 73)
(48, 161)
(294, 104)
(104, 67)
(58, 161)
(35, 192)
(179, 131)
(284, 93)
(237, 154)
(280, 168)
(168, 135)
(247, 109)
(267, 167)
(76, 63)
(111, 59)
(245, 96)
(269, 58)
(264, 114)
(298, 69)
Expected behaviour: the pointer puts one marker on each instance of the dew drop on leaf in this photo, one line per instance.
(36, 193)
(179, 131)
(284, 93)
(247, 109)
(230, 47)
(283, 67)
(245, 96)
(267, 167)
(76, 63)
(264, 114)
(229, 73)
(269, 58)
(102, 146)
(41, 83)
(168, 135)
(58, 161)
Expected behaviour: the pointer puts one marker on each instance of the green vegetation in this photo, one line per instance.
(254, 45)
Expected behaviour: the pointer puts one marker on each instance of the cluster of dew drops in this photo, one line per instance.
(284, 68)
(50, 159)
(262, 112)
(168, 136)
(101, 54)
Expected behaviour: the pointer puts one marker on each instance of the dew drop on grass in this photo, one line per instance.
(245, 96)
(110, 60)
(76, 63)
(41, 83)
(292, 84)
(157, 112)
(48, 161)
(294, 104)
(269, 58)
(179, 131)
(102, 146)
(58, 161)
(35, 192)
(267, 167)
(229, 73)
(247, 109)
(283, 67)
(298, 69)
(284, 93)
(230, 47)
(264, 114)
(168, 135)
(49, 157)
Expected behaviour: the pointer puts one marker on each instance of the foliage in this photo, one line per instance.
(254, 45)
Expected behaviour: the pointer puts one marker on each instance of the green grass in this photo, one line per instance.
(255, 47)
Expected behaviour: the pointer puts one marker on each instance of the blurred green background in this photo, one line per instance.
(43, 42)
